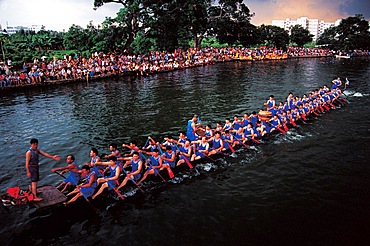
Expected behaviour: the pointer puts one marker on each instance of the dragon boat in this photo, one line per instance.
(51, 196)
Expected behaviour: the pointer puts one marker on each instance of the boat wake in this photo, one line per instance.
(354, 94)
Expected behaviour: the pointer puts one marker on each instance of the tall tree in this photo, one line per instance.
(77, 38)
(3, 40)
(300, 35)
(353, 33)
(274, 36)
(131, 17)
(328, 38)
(174, 23)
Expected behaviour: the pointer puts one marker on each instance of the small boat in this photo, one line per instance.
(342, 56)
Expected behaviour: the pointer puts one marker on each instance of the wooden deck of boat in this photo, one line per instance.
(50, 196)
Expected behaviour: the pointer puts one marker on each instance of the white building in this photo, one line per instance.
(314, 26)
(11, 30)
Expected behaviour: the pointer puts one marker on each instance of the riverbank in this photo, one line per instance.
(142, 73)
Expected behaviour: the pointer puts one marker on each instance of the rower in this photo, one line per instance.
(184, 152)
(132, 146)
(336, 83)
(249, 132)
(155, 161)
(253, 118)
(168, 158)
(217, 143)
(275, 122)
(182, 139)
(86, 189)
(239, 137)
(202, 147)
(218, 127)
(110, 180)
(228, 140)
(209, 132)
(261, 129)
(236, 123)
(245, 120)
(135, 174)
(270, 104)
(227, 125)
(169, 141)
(98, 169)
(152, 145)
(128, 156)
(74, 175)
(114, 151)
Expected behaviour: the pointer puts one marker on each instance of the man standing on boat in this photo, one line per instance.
(32, 165)
(336, 83)
(192, 127)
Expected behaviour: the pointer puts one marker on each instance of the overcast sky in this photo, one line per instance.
(61, 14)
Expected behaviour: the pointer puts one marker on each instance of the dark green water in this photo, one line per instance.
(309, 186)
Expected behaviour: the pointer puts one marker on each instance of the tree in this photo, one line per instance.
(273, 36)
(3, 40)
(300, 35)
(77, 38)
(131, 17)
(174, 23)
(353, 33)
(328, 38)
(230, 22)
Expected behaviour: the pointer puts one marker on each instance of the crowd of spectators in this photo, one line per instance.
(100, 64)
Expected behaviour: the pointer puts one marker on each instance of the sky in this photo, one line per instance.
(61, 14)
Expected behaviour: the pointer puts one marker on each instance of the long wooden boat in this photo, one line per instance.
(263, 115)
(52, 196)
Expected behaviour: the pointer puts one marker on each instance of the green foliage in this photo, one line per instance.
(273, 36)
(211, 42)
(352, 33)
(328, 37)
(300, 35)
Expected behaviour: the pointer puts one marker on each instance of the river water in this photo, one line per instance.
(309, 186)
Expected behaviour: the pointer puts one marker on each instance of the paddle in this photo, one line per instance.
(293, 123)
(116, 190)
(160, 175)
(230, 147)
(146, 143)
(60, 174)
(241, 141)
(132, 180)
(170, 173)
(209, 158)
(255, 140)
(286, 128)
(155, 173)
(281, 130)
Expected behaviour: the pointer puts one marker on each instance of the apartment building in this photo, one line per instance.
(315, 26)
